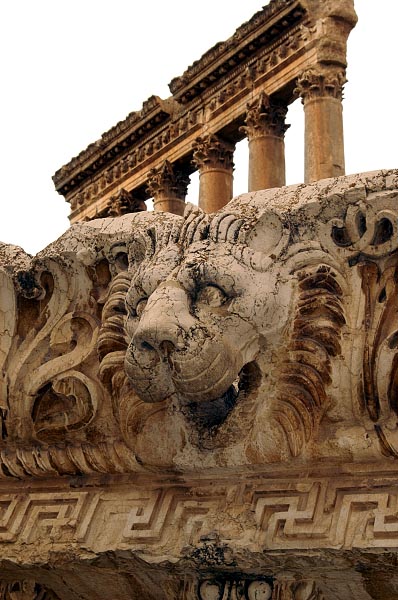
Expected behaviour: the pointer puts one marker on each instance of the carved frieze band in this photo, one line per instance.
(127, 164)
(320, 514)
(313, 83)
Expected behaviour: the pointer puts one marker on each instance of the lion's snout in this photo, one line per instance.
(171, 352)
(166, 320)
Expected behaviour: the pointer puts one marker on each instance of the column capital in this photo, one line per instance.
(167, 181)
(317, 83)
(211, 152)
(264, 118)
(122, 203)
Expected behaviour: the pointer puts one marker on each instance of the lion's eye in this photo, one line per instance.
(140, 306)
(211, 295)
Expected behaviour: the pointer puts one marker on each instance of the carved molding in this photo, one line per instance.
(265, 118)
(211, 152)
(214, 54)
(180, 520)
(313, 83)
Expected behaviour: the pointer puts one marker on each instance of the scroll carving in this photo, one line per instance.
(372, 235)
(251, 336)
(239, 589)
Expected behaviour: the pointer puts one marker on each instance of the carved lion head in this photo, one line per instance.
(215, 339)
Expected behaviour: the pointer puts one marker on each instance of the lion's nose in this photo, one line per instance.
(165, 321)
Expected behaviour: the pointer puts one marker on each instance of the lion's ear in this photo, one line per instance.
(267, 236)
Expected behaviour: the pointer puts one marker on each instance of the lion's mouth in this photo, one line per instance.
(209, 415)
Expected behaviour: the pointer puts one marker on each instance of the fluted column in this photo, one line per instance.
(265, 129)
(168, 187)
(214, 159)
(321, 93)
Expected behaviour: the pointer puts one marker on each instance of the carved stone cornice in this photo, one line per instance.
(266, 53)
(224, 56)
(113, 142)
(265, 29)
(211, 152)
(167, 181)
(265, 118)
(314, 83)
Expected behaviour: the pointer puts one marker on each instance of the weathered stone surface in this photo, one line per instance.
(205, 406)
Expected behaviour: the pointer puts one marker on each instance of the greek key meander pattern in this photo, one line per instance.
(323, 514)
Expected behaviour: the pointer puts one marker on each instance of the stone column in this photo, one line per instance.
(265, 129)
(214, 159)
(321, 93)
(168, 187)
(123, 203)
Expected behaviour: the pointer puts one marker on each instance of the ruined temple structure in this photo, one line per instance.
(201, 402)
(240, 88)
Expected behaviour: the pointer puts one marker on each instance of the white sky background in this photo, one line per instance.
(70, 69)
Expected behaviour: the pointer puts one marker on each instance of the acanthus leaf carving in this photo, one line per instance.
(265, 118)
(227, 337)
(318, 83)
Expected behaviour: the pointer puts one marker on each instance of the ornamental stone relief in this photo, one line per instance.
(214, 390)
(263, 333)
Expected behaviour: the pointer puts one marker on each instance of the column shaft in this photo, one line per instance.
(168, 188)
(321, 94)
(266, 162)
(213, 157)
(265, 129)
(324, 139)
